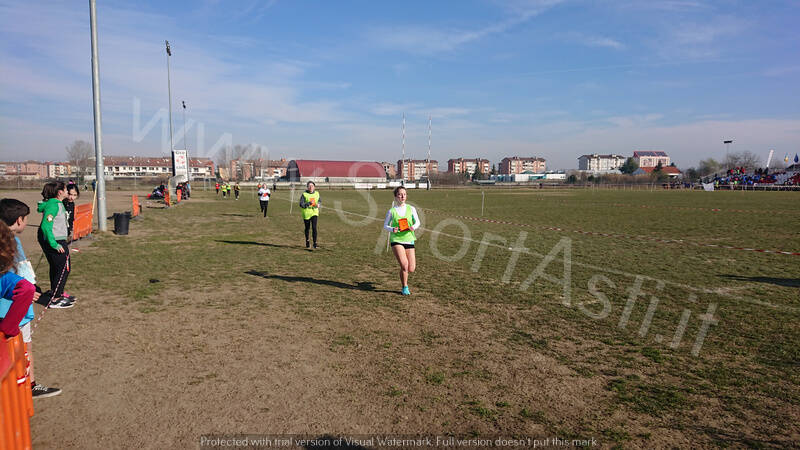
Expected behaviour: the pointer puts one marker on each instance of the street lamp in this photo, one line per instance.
(727, 147)
(99, 177)
(169, 94)
(186, 144)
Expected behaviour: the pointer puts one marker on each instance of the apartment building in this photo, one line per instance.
(512, 165)
(414, 169)
(597, 163)
(651, 158)
(467, 165)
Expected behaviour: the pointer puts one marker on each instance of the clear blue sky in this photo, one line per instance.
(549, 78)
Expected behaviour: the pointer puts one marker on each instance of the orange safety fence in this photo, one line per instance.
(82, 226)
(16, 402)
(136, 208)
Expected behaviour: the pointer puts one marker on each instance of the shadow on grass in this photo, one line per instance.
(238, 215)
(358, 286)
(786, 282)
(263, 244)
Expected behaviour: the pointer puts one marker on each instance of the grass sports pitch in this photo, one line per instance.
(640, 319)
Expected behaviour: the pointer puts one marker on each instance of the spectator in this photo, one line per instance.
(14, 214)
(52, 237)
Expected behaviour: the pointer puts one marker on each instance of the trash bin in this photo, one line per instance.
(121, 222)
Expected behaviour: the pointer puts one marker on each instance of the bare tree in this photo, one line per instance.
(223, 156)
(79, 154)
(746, 159)
(708, 167)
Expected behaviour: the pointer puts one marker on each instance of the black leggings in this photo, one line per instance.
(264, 204)
(312, 222)
(58, 264)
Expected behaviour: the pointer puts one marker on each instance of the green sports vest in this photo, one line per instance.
(311, 211)
(405, 237)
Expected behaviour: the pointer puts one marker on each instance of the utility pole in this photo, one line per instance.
(169, 95)
(98, 132)
(186, 145)
(403, 170)
(428, 162)
(727, 147)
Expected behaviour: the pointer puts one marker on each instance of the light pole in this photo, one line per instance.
(169, 94)
(186, 145)
(428, 162)
(403, 167)
(100, 189)
(727, 147)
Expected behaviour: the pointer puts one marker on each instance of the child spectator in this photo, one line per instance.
(69, 205)
(52, 237)
(14, 214)
(12, 286)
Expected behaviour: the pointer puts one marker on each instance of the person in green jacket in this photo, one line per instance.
(52, 237)
(401, 221)
(309, 207)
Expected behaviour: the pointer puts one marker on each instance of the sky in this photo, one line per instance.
(332, 80)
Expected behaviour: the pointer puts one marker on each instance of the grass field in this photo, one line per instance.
(576, 314)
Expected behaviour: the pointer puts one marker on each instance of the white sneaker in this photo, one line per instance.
(61, 303)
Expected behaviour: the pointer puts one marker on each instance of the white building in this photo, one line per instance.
(562, 176)
(596, 163)
(140, 167)
(651, 158)
(58, 169)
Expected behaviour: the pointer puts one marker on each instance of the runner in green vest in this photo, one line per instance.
(309, 206)
(401, 221)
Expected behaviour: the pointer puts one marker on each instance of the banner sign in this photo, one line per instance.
(180, 164)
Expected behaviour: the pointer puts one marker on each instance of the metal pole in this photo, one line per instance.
(483, 199)
(186, 145)
(183, 113)
(403, 167)
(727, 143)
(428, 164)
(169, 94)
(98, 132)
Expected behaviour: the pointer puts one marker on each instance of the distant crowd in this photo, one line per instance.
(738, 176)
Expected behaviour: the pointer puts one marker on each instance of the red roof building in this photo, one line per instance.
(335, 171)
(671, 171)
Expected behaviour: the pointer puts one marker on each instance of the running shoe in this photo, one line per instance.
(405, 291)
(61, 303)
(39, 391)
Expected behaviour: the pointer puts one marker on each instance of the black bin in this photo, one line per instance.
(121, 222)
